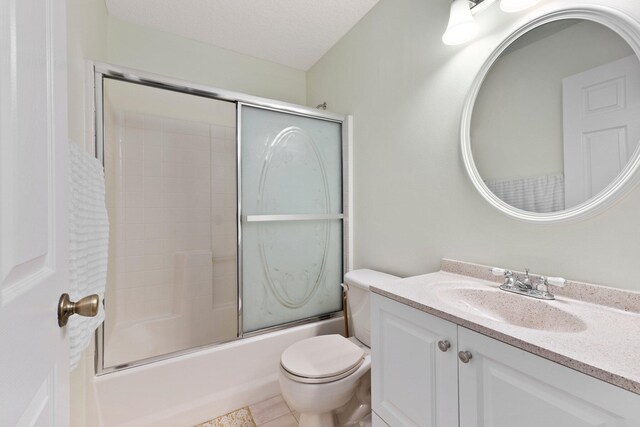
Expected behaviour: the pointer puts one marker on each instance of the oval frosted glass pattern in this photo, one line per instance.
(292, 159)
(292, 269)
(293, 166)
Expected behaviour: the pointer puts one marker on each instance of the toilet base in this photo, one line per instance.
(356, 413)
(340, 403)
(358, 409)
(325, 419)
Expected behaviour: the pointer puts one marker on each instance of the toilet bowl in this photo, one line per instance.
(321, 389)
(322, 374)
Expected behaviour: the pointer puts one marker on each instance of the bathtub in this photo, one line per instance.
(186, 390)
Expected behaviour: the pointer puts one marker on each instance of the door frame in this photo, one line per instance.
(114, 72)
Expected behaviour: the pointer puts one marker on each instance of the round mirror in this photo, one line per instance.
(552, 125)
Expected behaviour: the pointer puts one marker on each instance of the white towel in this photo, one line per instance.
(88, 245)
(535, 194)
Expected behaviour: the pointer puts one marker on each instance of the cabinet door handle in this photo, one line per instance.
(444, 345)
(465, 356)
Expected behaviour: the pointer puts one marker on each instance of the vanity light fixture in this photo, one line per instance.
(463, 27)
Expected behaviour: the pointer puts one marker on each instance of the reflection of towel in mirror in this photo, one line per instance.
(88, 244)
(535, 194)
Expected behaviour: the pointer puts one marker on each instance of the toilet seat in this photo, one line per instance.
(321, 359)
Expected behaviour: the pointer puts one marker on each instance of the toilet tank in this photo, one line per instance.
(359, 301)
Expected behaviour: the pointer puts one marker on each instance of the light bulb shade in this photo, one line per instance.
(462, 27)
(516, 5)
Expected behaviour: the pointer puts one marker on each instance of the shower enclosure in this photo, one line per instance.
(227, 216)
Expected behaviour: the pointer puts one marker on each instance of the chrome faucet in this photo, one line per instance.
(525, 282)
(524, 286)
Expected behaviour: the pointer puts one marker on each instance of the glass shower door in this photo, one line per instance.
(292, 217)
(170, 177)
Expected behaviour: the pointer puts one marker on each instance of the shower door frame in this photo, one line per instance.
(100, 71)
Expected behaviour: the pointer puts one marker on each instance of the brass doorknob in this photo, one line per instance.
(87, 307)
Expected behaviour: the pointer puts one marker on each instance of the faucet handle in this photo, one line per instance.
(543, 283)
(557, 281)
(508, 276)
(501, 272)
(497, 271)
(554, 281)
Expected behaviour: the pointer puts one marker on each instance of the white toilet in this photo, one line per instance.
(319, 375)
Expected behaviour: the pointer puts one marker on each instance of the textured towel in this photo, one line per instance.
(88, 244)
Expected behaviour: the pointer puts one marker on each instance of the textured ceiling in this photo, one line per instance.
(290, 32)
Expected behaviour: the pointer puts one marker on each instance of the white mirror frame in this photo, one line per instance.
(626, 27)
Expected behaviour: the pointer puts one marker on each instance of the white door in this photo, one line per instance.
(34, 373)
(503, 386)
(414, 382)
(601, 107)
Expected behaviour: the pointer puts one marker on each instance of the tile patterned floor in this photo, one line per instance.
(272, 412)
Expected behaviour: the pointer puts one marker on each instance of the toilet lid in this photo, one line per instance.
(322, 357)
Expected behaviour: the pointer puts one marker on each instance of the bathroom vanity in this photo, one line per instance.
(452, 350)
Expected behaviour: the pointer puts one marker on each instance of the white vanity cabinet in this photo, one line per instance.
(503, 386)
(376, 421)
(413, 382)
(416, 384)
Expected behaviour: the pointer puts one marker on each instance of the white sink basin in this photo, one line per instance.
(512, 309)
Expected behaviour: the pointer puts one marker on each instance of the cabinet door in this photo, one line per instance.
(502, 386)
(414, 383)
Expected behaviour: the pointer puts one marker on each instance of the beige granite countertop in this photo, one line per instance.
(604, 343)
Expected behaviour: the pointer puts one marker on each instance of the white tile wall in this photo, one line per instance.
(171, 188)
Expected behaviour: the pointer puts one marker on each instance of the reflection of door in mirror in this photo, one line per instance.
(601, 107)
